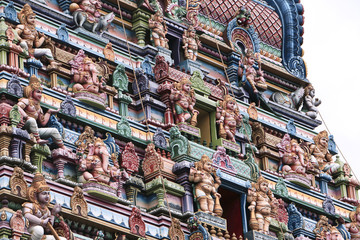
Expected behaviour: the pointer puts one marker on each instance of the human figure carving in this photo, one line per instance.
(310, 102)
(30, 109)
(158, 28)
(228, 117)
(260, 198)
(37, 212)
(206, 185)
(183, 100)
(191, 43)
(30, 38)
(354, 226)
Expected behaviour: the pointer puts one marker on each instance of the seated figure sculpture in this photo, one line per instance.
(310, 102)
(37, 212)
(31, 39)
(30, 109)
(158, 29)
(183, 99)
(206, 185)
(229, 118)
(260, 198)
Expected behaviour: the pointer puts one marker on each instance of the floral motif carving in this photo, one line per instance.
(137, 225)
(152, 161)
(221, 159)
(129, 159)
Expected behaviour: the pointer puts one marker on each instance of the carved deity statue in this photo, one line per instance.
(191, 43)
(206, 186)
(182, 98)
(30, 38)
(158, 29)
(260, 198)
(37, 212)
(254, 77)
(321, 158)
(243, 16)
(354, 226)
(292, 156)
(334, 234)
(228, 117)
(32, 113)
(310, 102)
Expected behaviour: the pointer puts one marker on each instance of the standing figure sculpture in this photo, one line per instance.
(30, 38)
(354, 226)
(37, 212)
(310, 102)
(158, 29)
(32, 113)
(191, 43)
(228, 117)
(206, 185)
(321, 158)
(260, 198)
(183, 99)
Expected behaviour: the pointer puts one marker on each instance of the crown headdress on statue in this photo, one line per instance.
(38, 185)
(25, 11)
(34, 84)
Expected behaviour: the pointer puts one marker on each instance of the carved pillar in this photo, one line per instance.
(18, 143)
(132, 187)
(124, 101)
(164, 90)
(38, 154)
(17, 225)
(323, 182)
(5, 137)
(182, 169)
(232, 69)
(140, 25)
(244, 212)
(33, 65)
(60, 158)
(53, 79)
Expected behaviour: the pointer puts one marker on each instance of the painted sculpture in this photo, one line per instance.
(260, 198)
(321, 158)
(324, 231)
(206, 185)
(243, 16)
(87, 86)
(37, 212)
(228, 117)
(87, 14)
(158, 29)
(191, 43)
(354, 226)
(32, 40)
(310, 102)
(182, 98)
(32, 113)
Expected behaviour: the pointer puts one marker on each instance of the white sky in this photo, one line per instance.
(331, 52)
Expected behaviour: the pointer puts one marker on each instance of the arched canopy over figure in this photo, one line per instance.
(158, 29)
(30, 38)
(206, 185)
(31, 111)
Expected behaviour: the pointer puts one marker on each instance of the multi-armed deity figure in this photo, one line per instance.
(191, 43)
(260, 198)
(229, 118)
(292, 156)
(32, 113)
(158, 28)
(37, 212)
(310, 102)
(183, 99)
(30, 38)
(254, 77)
(206, 185)
(321, 158)
(354, 226)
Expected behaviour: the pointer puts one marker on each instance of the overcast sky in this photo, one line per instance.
(331, 46)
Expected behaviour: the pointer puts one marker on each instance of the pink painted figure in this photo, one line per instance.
(354, 226)
(334, 234)
(228, 117)
(191, 43)
(158, 28)
(91, 8)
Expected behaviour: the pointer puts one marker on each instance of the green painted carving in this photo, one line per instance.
(140, 24)
(176, 12)
(250, 161)
(171, 187)
(124, 101)
(15, 116)
(179, 144)
(38, 154)
(245, 126)
(123, 128)
(120, 79)
(198, 83)
(281, 189)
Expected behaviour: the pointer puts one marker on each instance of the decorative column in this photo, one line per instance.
(233, 66)
(140, 24)
(60, 158)
(164, 90)
(38, 154)
(33, 65)
(182, 169)
(18, 143)
(323, 182)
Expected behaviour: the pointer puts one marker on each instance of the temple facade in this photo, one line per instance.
(151, 119)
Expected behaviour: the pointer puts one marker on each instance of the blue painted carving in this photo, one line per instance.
(345, 234)
(146, 66)
(67, 106)
(296, 220)
(323, 182)
(33, 66)
(332, 145)
(54, 123)
(290, 13)
(142, 81)
(112, 147)
(195, 227)
(159, 138)
(14, 87)
(62, 33)
(328, 205)
(10, 12)
(290, 127)
(64, 5)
